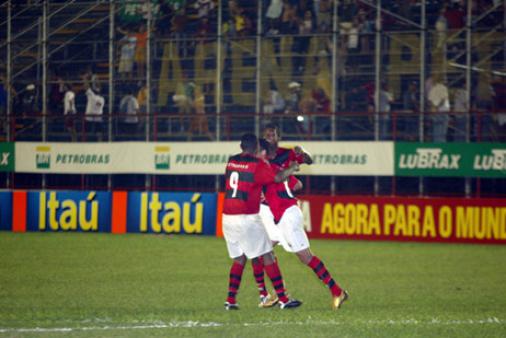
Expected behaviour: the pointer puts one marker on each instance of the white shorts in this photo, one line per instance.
(290, 230)
(268, 221)
(245, 234)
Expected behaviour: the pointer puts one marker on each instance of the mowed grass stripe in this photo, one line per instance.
(79, 281)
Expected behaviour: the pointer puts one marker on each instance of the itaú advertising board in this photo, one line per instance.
(406, 219)
(105, 211)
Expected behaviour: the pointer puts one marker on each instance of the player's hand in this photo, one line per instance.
(298, 150)
(294, 166)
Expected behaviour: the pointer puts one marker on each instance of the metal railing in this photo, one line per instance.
(484, 126)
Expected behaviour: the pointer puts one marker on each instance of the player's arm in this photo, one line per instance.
(294, 184)
(303, 155)
(265, 174)
(286, 173)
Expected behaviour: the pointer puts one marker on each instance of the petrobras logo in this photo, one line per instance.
(162, 157)
(43, 157)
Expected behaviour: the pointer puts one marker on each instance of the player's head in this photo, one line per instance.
(271, 133)
(249, 143)
(265, 149)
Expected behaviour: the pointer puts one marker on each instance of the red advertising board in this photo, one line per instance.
(406, 219)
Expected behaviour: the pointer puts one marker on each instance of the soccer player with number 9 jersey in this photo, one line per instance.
(244, 233)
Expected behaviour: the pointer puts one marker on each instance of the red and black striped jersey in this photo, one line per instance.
(279, 196)
(244, 177)
(285, 156)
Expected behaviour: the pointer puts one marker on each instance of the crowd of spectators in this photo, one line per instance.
(191, 21)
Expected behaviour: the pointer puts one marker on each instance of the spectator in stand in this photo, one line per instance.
(185, 99)
(204, 8)
(410, 105)
(455, 16)
(352, 33)
(498, 84)
(289, 21)
(440, 106)
(293, 107)
(199, 124)
(235, 23)
(28, 103)
(369, 88)
(140, 51)
(301, 43)
(293, 99)
(29, 108)
(274, 102)
(366, 34)
(127, 53)
(321, 103)
(323, 11)
(461, 109)
(205, 11)
(69, 111)
(347, 11)
(455, 21)
(441, 30)
(94, 111)
(56, 93)
(273, 16)
(142, 98)
(385, 100)
(129, 109)
(178, 29)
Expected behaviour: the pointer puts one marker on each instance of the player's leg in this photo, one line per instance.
(339, 295)
(232, 232)
(234, 282)
(258, 272)
(272, 269)
(291, 226)
(266, 300)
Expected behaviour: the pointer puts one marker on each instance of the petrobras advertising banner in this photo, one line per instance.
(405, 219)
(347, 158)
(125, 157)
(5, 210)
(199, 158)
(92, 158)
(85, 211)
(450, 159)
(171, 213)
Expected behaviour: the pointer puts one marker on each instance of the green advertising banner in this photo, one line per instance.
(6, 156)
(450, 159)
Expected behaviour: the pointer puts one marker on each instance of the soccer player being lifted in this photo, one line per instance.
(283, 218)
(244, 233)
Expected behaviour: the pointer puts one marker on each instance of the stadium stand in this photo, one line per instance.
(364, 71)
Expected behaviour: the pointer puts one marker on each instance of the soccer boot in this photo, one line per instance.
(292, 303)
(231, 306)
(339, 300)
(268, 301)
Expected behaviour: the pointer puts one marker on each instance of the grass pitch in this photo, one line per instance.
(103, 285)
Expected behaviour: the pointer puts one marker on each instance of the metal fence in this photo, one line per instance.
(346, 70)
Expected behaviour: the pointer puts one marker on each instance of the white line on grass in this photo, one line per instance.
(197, 324)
